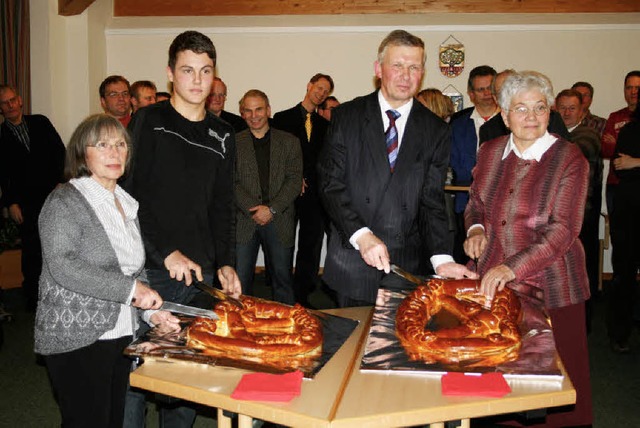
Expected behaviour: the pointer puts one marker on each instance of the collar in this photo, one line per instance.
(97, 195)
(475, 115)
(537, 149)
(403, 109)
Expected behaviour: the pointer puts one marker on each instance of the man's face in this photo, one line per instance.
(117, 100)
(317, 92)
(146, 96)
(586, 96)
(11, 106)
(329, 105)
(480, 94)
(400, 73)
(570, 109)
(217, 97)
(192, 78)
(256, 113)
(631, 87)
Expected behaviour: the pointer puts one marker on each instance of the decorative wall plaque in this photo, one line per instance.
(451, 57)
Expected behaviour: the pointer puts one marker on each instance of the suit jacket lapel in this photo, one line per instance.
(411, 142)
(373, 136)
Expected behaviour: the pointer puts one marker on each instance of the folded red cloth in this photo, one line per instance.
(485, 384)
(269, 387)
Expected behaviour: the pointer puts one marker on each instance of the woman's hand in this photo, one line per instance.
(180, 267)
(495, 280)
(165, 322)
(145, 297)
(229, 280)
(625, 162)
(476, 243)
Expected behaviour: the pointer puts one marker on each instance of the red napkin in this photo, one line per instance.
(269, 387)
(485, 384)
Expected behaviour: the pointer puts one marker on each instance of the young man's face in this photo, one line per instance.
(192, 78)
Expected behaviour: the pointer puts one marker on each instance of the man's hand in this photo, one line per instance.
(16, 213)
(230, 281)
(304, 186)
(476, 243)
(261, 214)
(374, 252)
(495, 280)
(625, 162)
(165, 322)
(145, 297)
(180, 266)
(455, 270)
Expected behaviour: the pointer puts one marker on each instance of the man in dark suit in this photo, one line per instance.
(32, 163)
(384, 190)
(268, 177)
(304, 122)
(215, 104)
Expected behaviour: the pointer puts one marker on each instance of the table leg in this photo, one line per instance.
(437, 425)
(245, 421)
(223, 420)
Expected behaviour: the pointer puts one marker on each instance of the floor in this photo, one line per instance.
(26, 399)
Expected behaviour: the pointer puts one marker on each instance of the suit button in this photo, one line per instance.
(404, 207)
(367, 200)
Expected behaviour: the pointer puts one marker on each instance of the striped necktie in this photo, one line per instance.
(391, 138)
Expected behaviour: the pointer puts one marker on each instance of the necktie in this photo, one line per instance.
(391, 138)
(307, 126)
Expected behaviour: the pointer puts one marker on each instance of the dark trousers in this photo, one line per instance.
(589, 236)
(31, 262)
(625, 258)
(312, 227)
(278, 260)
(90, 383)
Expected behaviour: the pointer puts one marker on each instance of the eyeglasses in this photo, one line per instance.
(123, 94)
(217, 95)
(482, 90)
(103, 146)
(524, 111)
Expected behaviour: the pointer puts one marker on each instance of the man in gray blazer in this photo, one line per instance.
(384, 190)
(268, 177)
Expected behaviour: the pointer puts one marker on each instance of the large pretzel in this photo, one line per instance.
(264, 331)
(484, 337)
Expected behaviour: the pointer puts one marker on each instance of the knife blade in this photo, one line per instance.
(218, 294)
(188, 310)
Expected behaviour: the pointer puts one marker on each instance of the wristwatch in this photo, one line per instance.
(273, 211)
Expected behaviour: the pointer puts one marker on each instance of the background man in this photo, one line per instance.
(182, 176)
(570, 105)
(327, 105)
(143, 93)
(589, 119)
(215, 104)
(31, 165)
(465, 126)
(302, 121)
(268, 176)
(384, 190)
(614, 123)
(115, 98)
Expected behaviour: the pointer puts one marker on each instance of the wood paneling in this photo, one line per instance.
(339, 7)
(73, 7)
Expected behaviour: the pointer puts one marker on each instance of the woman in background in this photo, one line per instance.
(523, 219)
(92, 278)
(437, 102)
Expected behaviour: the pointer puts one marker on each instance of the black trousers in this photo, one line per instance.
(90, 383)
(312, 227)
(31, 262)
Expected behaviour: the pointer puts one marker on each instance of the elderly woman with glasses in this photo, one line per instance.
(92, 278)
(523, 220)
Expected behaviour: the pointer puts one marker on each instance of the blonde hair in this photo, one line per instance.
(437, 102)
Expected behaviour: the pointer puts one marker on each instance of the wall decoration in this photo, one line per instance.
(456, 97)
(451, 57)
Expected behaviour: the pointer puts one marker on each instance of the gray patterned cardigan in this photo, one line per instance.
(81, 285)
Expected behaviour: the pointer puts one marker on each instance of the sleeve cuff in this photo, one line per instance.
(440, 259)
(358, 233)
(475, 226)
(133, 291)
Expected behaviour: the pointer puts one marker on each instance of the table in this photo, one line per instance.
(341, 395)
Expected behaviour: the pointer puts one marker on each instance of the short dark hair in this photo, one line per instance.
(135, 88)
(319, 76)
(89, 132)
(569, 93)
(191, 41)
(634, 73)
(114, 78)
(163, 94)
(323, 106)
(584, 85)
(253, 93)
(400, 38)
(481, 70)
(6, 87)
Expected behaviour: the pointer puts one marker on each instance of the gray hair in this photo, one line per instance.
(400, 38)
(525, 81)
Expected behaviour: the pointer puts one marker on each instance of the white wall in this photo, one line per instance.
(71, 56)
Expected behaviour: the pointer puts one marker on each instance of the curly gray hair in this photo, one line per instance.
(525, 81)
